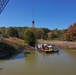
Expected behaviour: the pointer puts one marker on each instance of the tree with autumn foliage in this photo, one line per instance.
(71, 33)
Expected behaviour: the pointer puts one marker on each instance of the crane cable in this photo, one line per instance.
(33, 12)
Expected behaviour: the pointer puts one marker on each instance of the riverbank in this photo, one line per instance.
(9, 46)
(65, 44)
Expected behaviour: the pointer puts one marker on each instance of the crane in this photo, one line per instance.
(3, 3)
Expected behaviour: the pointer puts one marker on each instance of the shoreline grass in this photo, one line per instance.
(66, 44)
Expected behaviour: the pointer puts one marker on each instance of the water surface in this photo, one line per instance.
(35, 63)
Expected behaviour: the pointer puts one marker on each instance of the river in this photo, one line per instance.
(35, 63)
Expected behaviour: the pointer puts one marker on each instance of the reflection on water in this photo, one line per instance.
(14, 56)
(32, 57)
(35, 63)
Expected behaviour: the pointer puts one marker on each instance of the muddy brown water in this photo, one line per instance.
(35, 63)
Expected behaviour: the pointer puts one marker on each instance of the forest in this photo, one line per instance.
(68, 34)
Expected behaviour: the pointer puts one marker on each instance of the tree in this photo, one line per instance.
(71, 33)
(39, 33)
(12, 32)
(45, 31)
(57, 33)
(51, 36)
(63, 34)
(3, 31)
(0, 32)
(21, 31)
(30, 38)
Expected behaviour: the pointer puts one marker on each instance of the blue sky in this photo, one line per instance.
(47, 13)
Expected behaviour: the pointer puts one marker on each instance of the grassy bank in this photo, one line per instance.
(65, 44)
(15, 42)
(10, 46)
(6, 49)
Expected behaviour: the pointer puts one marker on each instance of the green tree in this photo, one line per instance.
(21, 31)
(3, 31)
(0, 32)
(30, 38)
(62, 34)
(12, 32)
(56, 33)
(39, 33)
(45, 31)
(51, 36)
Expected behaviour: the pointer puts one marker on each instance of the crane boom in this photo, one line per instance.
(3, 3)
